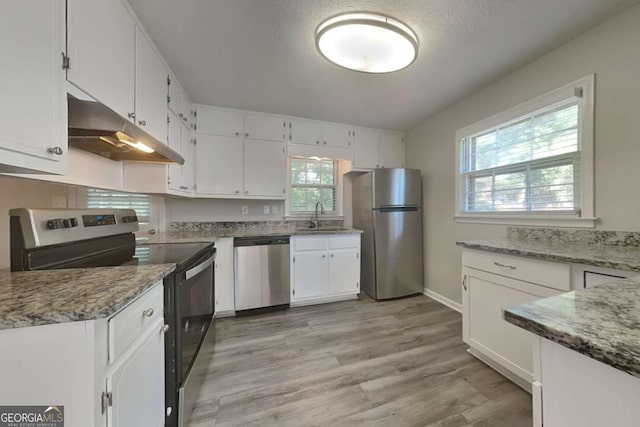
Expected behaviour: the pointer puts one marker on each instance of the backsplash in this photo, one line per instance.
(586, 237)
(228, 226)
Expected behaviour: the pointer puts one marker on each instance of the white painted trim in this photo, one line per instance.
(225, 313)
(529, 220)
(586, 129)
(323, 300)
(443, 300)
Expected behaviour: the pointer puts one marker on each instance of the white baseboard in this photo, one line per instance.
(443, 300)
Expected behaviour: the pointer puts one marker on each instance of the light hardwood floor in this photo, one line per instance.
(360, 363)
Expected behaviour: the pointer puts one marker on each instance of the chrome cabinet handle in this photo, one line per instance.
(148, 312)
(464, 282)
(331, 255)
(510, 267)
(246, 134)
(181, 115)
(317, 142)
(237, 191)
(324, 256)
(237, 133)
(132, 115)
(324, 142)
(164, 328)
(58, 151)
(246, 191)
(142, 122)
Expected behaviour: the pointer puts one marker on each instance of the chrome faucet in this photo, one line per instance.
(314, 219)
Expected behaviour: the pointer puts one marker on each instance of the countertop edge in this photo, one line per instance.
(572, 342)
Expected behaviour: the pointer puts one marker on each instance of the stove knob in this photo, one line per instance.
(66, 223)
(52, 224)
(74, 222)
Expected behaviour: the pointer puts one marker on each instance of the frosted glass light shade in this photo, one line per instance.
(367, 42)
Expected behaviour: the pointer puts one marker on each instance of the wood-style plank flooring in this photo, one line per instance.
(354, 363)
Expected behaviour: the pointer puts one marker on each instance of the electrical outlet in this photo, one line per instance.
(274, 209)
(266, 209)
(245, 210)
(58, 202)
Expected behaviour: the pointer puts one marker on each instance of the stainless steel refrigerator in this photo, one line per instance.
(387, 206)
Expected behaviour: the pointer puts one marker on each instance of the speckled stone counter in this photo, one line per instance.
(192, 231)
(31, 298)
(601, 255)
(177, 237)
(601, 322)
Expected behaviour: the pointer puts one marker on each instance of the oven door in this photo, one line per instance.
(194, 303)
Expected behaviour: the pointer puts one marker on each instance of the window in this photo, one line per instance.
(115, 200)
(313, 181)
(533, 161)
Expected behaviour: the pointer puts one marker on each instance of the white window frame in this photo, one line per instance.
(583, 89)
(337, 214)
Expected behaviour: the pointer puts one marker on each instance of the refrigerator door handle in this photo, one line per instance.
(398, 209)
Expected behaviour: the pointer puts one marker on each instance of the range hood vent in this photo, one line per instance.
(98, 129)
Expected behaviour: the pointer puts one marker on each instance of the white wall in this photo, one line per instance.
(208, 210)
(611, 51)
(24, 193)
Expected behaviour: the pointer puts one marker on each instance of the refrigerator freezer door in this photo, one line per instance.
(397, 187)
(398, 252)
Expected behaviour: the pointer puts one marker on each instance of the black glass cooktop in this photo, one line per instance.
(178, 253)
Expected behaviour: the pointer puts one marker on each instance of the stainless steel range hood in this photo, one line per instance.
(98, 129)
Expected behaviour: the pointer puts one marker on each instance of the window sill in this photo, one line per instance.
(528, 220)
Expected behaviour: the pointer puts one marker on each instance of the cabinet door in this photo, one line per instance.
(188, 152)
(224, 290)
(175, 143)
(391, 149)
(265, 171)
(187, 110)
(310, 275)
(484, 298)
(175, 93)
(262, 126)
(336, 135)
(219, 165)
(217, 121)
(101, 43)
(366, 149)
(33, 106)
(137, 384)
(151, 89)
(344, 271)
(306, 132)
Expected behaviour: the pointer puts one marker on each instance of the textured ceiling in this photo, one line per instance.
(260, 54)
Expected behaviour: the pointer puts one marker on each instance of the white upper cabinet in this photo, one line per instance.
(247, 125)
(179, 101)
(219, 165)
(218, 121)
(33, 107)
(336, 135)
(151, 89)
(188, 152)
(174, 181)
(366, 149)
(391, 149)
(265, 167)
(100, 46)
(265, 127)
(305, 131)
(378, 149)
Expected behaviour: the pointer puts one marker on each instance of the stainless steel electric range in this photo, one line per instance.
(43, 239)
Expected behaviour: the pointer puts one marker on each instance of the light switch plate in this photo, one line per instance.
(266, 209)
(245, 210)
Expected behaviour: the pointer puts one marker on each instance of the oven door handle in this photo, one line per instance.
(199, 268)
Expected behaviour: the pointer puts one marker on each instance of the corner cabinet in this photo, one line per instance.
(33, 106)
(377, 149)
(324, 268)
(490, 283)
(107, 372)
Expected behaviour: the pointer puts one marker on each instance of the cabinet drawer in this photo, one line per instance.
(310, 243)
(126, 326)
(344, 241)
(550, 274)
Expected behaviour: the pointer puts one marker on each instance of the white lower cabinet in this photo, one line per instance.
(224, 280)
(492, 282)
(324, 268)
(105, 372)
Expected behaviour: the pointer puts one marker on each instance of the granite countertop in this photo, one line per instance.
(31, 298)
(620, 257)
(176, 237)
(213, 235)
(602, 322)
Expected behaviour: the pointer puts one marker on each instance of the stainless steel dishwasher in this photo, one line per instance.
(261, 267)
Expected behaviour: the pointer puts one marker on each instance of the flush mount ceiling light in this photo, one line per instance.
(367, 42)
